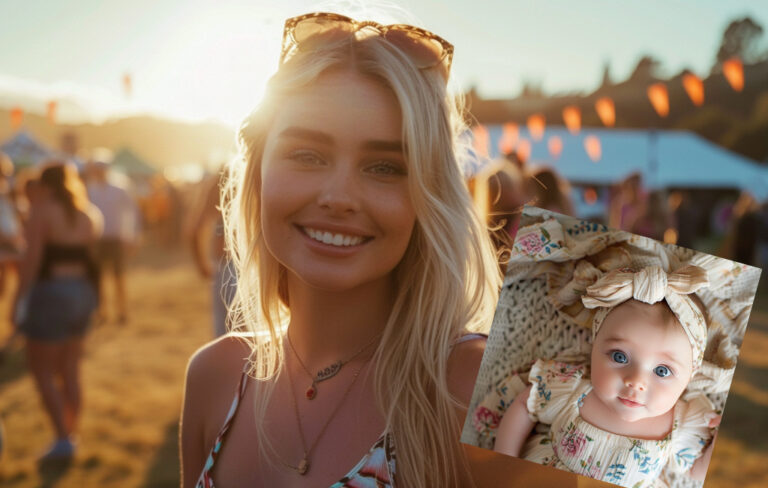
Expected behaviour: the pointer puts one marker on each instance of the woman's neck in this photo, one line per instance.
(328, 326)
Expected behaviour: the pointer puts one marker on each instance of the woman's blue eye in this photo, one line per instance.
(387, 168)
(662, 371)
(619, 357)
(305, 157)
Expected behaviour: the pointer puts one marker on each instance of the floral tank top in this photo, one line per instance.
(376, 469)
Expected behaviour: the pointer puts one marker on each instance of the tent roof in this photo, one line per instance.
(25, 150)
(664, 158)
(129, 163)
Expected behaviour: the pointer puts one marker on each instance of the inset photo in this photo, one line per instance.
(611, 354)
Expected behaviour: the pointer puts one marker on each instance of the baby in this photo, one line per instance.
(626, 422)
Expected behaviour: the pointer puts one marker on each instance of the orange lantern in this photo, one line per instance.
(593, 148)
(536, 125)
(17, 117)
(694, 87)
(524, 150)
(480, 140)
(127, 85)
(659, 97)
(510, 133)
(555, 146)
(590, 196)
(606, 110)
(734, 73)
(572, 118)
(52, 105)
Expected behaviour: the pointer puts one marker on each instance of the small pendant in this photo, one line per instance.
(328, 372)
(303, 467)
(311, 392)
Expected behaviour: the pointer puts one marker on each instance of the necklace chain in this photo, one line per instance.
(303, 466)
(329, 371)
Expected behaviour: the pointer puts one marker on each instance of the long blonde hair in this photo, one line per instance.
(447, 281)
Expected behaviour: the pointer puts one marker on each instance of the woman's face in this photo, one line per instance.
(640, 364)
(335, 205)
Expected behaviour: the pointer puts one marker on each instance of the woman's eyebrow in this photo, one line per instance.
(389, 146)
(302, 133)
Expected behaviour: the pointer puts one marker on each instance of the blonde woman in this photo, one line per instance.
(361, 267)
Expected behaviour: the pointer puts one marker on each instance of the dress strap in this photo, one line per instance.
(472, 336)
(205, 480)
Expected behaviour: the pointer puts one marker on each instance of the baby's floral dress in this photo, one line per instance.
(574, 445)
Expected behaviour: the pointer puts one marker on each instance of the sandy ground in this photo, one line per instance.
(133, 380)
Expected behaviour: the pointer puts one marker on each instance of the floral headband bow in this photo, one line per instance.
(651, 285)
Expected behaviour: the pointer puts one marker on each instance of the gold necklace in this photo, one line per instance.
(303, 466)
(327, 372)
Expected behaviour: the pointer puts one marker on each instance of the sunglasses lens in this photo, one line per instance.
(424, 51)
(315, 32)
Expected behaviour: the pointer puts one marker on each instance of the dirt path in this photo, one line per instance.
(133, 380)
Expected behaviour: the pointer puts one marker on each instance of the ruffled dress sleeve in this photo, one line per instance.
(553, 385)
(691, 432)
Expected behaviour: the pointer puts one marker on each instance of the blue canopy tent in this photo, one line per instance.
(24, 150)
(664, 158)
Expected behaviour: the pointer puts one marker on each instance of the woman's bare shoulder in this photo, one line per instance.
(213, 374)
(221, 360)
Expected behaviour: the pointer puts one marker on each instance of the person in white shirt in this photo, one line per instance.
(121, 224)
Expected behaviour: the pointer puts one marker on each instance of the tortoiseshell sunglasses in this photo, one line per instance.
(424, 48)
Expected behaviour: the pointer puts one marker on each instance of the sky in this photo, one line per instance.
(209, 60)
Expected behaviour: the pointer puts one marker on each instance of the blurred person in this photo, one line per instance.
(121, 224)
(688, 216)
(628, 203)
(656, 220)
(359, 255)
(11, 234)
(746, 228)
(498, 190)
(214, 264)
(545, 188)
(57, 295)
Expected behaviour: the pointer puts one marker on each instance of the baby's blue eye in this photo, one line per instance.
(619, 357)
(662, 371)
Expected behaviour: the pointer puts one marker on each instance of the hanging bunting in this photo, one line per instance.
(659, 97)
(593, 148)
(127, 85)
(480, 140)
(17, 117)
(536, 125)
(590, 196)
(606, 110)
(572, 118)
(523, 150)
(510, 133)
(51, 113)
(555, 146)
(694, 87)
(733, 70)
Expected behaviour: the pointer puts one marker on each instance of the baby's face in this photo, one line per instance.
(641, 361)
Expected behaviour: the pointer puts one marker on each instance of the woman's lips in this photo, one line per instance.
(630, 403)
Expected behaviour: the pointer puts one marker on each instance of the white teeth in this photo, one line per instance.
(327, 237)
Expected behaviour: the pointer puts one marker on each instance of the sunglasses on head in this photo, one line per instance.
(310, 31)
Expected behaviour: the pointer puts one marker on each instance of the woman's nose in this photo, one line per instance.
(340, 192)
